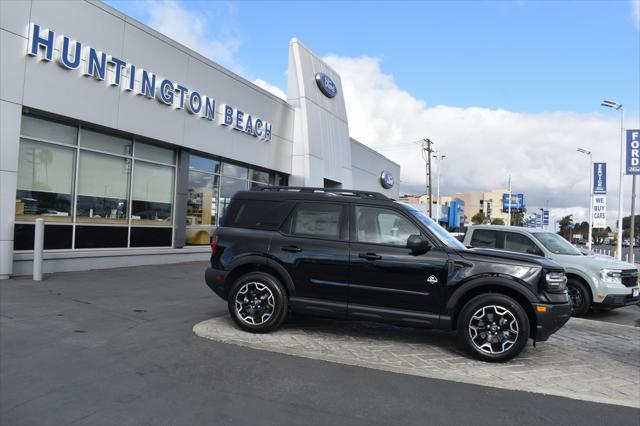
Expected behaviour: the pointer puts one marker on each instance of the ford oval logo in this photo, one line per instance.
(326, 85)
(386, 179)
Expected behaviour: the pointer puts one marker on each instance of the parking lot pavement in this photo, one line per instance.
(585, 360)
(629, 315)
(116, 347)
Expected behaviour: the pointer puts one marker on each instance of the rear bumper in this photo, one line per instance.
(551, 320)
(216, 279)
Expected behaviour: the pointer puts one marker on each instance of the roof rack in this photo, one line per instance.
(328, 191)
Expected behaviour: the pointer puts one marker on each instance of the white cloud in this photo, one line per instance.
(270, 88)
(635, 7)
(482, 145)
(197, 31)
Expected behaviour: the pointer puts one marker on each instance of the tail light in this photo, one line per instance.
(214, 244)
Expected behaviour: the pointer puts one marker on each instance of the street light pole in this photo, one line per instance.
(584, 151)
(619, 107)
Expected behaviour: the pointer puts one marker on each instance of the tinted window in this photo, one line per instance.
(257, 214)
(519, 243)
(383, 226)
(484, 238)
(317, 220)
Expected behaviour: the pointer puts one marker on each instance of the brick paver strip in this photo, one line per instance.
(586, 360)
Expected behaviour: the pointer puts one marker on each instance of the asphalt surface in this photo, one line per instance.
(629, 315)
(612, 249)
(116, 347)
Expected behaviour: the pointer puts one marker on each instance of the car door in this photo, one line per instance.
(385, 279)
(313, 247)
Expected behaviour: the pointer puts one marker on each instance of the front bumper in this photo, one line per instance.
(215, 279)
(618, 301)
(552, 320)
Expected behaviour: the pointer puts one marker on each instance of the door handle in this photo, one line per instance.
(292, 249)
(369, 256)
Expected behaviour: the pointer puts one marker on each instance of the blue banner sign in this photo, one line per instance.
(633, 152)
(538, 220)
(517, 201)
(545, 217)
(599, 178)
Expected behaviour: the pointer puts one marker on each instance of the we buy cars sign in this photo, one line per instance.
(633, 152)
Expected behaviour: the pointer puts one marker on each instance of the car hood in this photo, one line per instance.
(592, 261)
(508, 256)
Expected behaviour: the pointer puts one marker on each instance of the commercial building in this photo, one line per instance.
(131, 145)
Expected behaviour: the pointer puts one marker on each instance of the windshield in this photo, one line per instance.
(438, 231)
(556, 244)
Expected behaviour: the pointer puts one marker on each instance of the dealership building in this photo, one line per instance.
(130, 145)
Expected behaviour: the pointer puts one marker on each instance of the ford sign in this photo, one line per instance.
(386, 179)
(326, 85)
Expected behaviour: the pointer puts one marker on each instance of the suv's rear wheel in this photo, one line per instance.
(493, 327)
(580, 297)
(257, 302)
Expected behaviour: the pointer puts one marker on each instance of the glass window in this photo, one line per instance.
(206, 164)
(234, 171)
(383, 226)
(48, 130)
(520, 243)
(228, 189)
(150, 237)
(155, 153)
(103, 183)
(280, 180)
(56, 237)
(202, 207)
(317, 220)
(104, 142)
(258, 176)
(484, 238)
(556, 244)
(89, 236)
(257, 214)
(45, 181)
(152, 194)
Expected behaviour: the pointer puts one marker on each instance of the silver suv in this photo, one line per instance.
(596, 281)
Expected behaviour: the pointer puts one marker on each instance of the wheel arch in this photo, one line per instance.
(255, 263)
(497, 285)
(578, 277)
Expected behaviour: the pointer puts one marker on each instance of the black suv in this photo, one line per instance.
(360, 255)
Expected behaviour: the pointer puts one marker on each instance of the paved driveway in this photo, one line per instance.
(586, 359)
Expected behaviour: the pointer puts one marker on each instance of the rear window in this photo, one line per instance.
(258, 214)
(485, 238)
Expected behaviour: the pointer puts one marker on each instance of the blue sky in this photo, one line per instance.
(520, 56)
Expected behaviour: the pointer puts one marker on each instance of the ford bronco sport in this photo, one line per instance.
(360, 255)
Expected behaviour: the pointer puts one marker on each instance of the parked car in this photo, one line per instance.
(594, 281)
(360, 255)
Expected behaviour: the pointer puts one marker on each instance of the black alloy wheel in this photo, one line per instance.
(580, 297)
(257, 302)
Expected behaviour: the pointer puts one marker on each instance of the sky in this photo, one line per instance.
(500, 87)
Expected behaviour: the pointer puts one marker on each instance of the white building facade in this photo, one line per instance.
(130, 145)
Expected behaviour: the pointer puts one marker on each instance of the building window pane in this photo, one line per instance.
(101, 236)
(253, 185)
(155, 153)
(151, 237)
(258, 176)
(152, 195)
(48, 130)
(206, 164)
(103, 183)
(202, 202)
(104, 142)
(234, 171)
(228, 189)
(55, 236)
(280, 180)
(45, 181)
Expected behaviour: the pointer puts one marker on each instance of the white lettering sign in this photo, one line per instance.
(599, 211)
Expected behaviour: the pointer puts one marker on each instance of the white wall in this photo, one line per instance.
(368, 166)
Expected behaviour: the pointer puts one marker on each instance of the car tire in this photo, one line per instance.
(257, 302)
(580, 297)
(493, 327)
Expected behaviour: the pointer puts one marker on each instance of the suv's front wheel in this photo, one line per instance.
(493, 327)
(257, 302)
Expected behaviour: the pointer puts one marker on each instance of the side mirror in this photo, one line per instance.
(418, 244)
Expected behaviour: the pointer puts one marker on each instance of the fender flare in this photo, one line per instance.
(493, 281)
(254, 259)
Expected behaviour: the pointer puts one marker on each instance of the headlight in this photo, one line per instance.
(556, 282)
(611, 276)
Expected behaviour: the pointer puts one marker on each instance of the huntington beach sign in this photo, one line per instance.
(93, 63)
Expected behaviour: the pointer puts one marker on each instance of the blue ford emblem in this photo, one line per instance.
(326, 85)
(386, 179)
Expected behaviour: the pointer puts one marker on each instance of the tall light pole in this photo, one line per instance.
(439, 158)
(427, 150)
(584, 151)
(619, 107)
